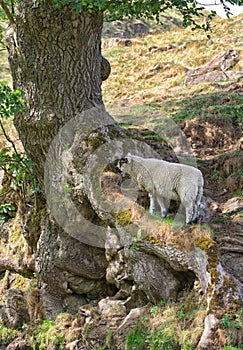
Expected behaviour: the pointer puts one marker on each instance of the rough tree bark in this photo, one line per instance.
(55, 59)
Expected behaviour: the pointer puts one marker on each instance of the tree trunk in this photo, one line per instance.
(55, 59)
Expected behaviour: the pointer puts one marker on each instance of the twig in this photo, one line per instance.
(7, 12)
(7, 137)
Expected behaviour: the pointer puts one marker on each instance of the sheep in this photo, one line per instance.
(165, 181)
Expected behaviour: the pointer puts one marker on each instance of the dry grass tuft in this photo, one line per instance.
(184, 238)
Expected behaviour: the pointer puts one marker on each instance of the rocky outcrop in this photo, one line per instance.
(218, 69)
(128, 259)
(130, 28)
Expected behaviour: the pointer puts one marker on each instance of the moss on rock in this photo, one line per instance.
(124, 217)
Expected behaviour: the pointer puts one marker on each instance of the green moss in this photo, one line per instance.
(95, 140)
(15, 231)
(154, 240)
(98, 137)
(204, 243)
(124, 217)
(21, 283)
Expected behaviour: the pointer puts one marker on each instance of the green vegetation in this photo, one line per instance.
(225, 321)
(45, 334)
(162, 339)
(136, 339)
(18, 169)
(222, 105)
(7, 334)
(5, 209)
(171, 326)
(175, 326)
(232, 321)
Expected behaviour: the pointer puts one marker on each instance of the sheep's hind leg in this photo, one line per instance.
(163, 207)
(197, 205)
(189, 214)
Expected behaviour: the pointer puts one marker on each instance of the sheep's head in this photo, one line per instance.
(124, 163)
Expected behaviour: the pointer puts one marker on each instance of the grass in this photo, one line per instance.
(145, 87)
(179, 325)
(171, 326)
(157, 78)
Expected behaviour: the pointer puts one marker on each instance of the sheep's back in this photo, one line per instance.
(170, 179)
(164, 176)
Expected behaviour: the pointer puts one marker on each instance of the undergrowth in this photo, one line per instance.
(7, 334)
(170, 326)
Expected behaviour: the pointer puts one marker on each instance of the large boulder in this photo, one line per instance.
(215, 70)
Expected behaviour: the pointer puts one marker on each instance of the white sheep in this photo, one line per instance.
(165, 181)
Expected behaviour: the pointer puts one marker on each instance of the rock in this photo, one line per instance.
(71, 260)
(127, 325)
(231, 257)
(19, 344)
(215, 70)
(72, 303)
(210, 324)
(110, 308)
(13, 309)
(111, 42)
(155, 48)
(155, 273)
(233, 205)
(137, 300)
(82, 285)
(73, 345)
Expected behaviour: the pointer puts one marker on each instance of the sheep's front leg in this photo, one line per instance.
(163, 207)
(152, 204)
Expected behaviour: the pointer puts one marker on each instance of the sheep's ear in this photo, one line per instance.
(129, 157)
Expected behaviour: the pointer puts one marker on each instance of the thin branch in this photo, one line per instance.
(7, 12)
(7, 137)
(207, 4)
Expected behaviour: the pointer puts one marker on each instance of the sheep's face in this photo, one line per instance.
(124, 164)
